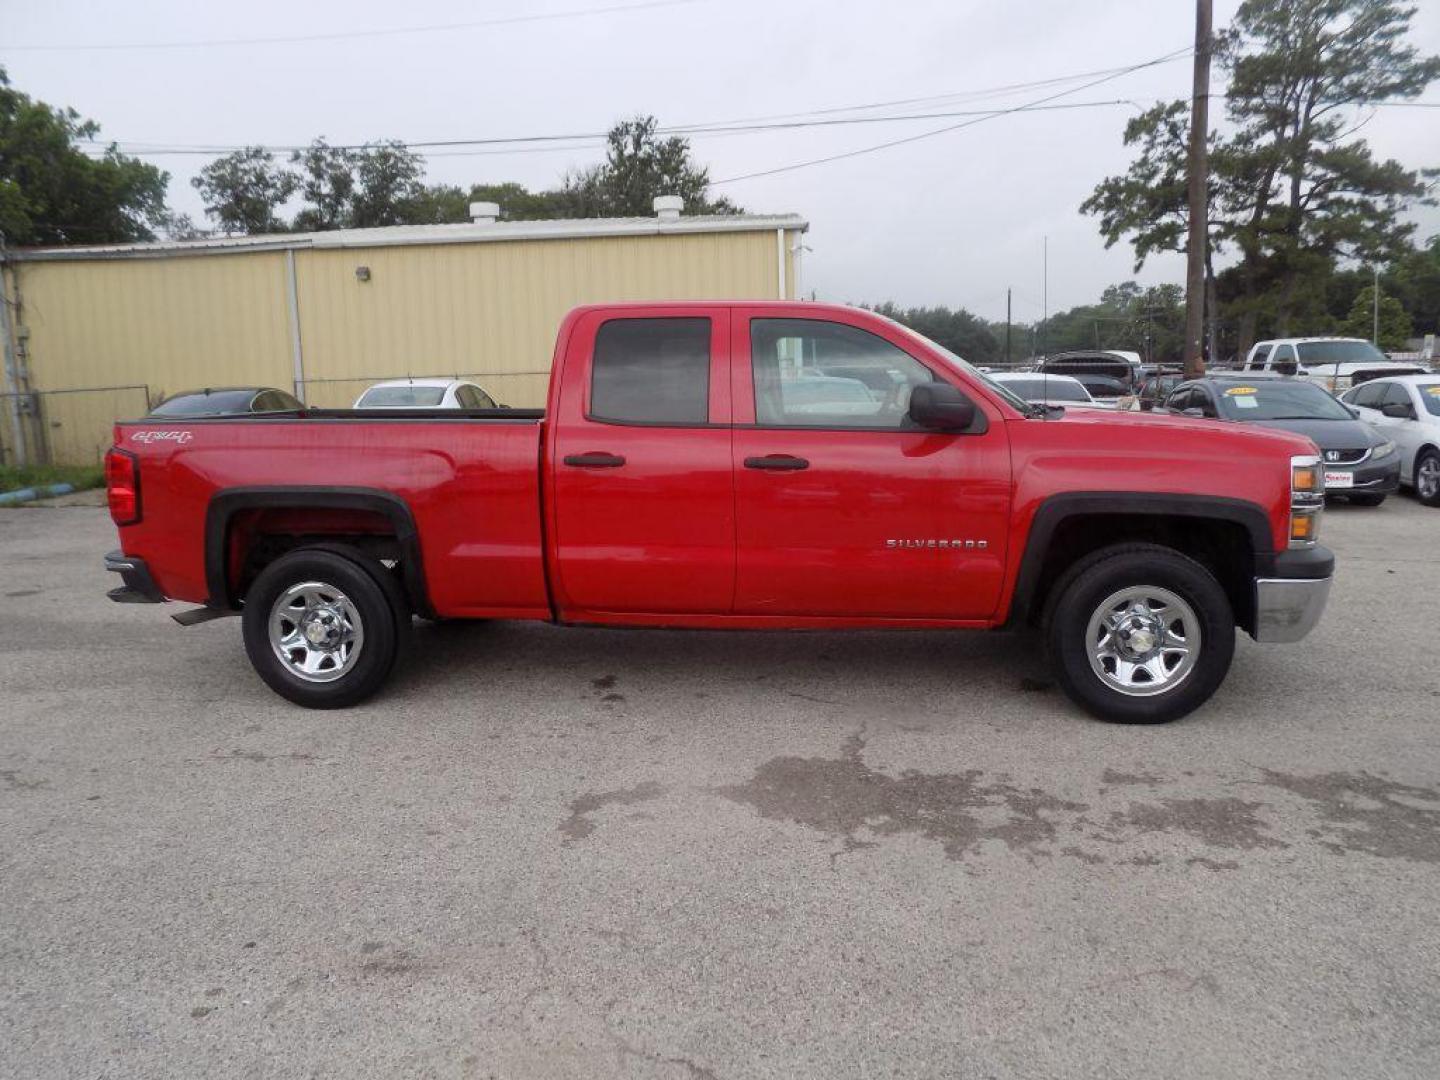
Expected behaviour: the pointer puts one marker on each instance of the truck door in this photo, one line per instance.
(643, 504)
(843, 507)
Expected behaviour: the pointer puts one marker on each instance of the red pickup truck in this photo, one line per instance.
(762, 466)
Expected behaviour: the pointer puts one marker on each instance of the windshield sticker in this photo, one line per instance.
(1239, 391)
(1247, 403)
(1433, 390)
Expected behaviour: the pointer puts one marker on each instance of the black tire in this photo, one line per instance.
(1077, 599)
(1432, 498)
(376, 606)
(1367, 500)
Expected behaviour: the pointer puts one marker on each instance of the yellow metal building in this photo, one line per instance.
(98, 333)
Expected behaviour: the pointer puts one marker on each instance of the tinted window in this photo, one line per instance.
(1339, 352)
(401, 397)
(206, 403)
(1278, 399)
(1397, 394)
(482, 399)
(1284, 359)
(791, 359)
(1040, 389)
(1367, 395)
(276, 401)
(652, 371)
(1258, 356)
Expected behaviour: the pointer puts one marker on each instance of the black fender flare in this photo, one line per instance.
(225, 504)
(1057, 509)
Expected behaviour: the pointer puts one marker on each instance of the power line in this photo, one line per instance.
(347, 35)
(597, 138)
(950, 127)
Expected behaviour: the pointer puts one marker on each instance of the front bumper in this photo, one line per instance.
(1290, 597)
(1378, 479)
(139, 587)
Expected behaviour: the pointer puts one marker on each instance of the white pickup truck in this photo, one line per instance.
(1335, 363)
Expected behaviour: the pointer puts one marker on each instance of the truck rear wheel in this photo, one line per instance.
(1139, 634)
(321, 629)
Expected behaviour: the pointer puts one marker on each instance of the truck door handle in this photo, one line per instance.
(784, 462)
(596, 459)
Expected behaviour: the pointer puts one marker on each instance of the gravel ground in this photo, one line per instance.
(564, 853)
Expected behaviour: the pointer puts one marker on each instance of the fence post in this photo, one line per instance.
(12, 375)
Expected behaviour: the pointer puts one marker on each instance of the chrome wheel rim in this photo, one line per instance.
(315, 632)
(1428, 481)
(1143, 641)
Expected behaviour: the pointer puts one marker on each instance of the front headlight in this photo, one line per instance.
(1385, 449)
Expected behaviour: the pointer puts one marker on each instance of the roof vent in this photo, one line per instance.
(484, 213)
(668, 207)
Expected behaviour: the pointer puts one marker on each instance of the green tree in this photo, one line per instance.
(1394, 322)
(53, 192)
(243, 191)
(1291, 189)
(638, 166)
(1415, 279)
(959, 331)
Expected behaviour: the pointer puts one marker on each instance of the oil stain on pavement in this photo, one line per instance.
(845, 798)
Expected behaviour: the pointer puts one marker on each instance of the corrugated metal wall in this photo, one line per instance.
(487, 310)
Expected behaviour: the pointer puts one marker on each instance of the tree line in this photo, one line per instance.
(1299, 203)
(58, 187)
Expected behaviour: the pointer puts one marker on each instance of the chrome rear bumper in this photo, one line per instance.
(1286, 609)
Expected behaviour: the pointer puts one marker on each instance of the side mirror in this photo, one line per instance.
(941, 407)
(1286, 367)
(1352, 410)
(1398, 410)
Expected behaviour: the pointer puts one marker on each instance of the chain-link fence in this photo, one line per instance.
(66, 427)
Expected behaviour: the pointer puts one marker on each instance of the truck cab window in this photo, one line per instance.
(812, 373)
(651, 371)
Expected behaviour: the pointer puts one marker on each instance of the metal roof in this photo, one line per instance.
(398, 235)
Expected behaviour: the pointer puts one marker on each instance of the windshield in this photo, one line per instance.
(1014, 400)
(1430, 395)
(1279, 400)
(1340, 352)
(401, 397)
(1041, 389)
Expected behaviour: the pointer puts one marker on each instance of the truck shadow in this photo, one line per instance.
(824, 666)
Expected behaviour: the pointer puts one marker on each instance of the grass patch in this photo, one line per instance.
(79, 476)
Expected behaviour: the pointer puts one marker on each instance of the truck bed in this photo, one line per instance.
(470, 478)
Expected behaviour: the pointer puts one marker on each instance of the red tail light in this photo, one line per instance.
(122, 485)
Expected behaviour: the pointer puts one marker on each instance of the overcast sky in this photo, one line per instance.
(951, 219)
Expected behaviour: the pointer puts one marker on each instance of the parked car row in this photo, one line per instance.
(392, 394)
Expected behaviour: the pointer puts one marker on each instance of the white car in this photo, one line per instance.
(1041, 389)
(1406, 409)
(425, 394)
(1334, 362)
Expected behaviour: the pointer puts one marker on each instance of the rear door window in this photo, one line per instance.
(651, 371)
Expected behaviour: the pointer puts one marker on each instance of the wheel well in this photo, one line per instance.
(247, 531)
(1222, 547)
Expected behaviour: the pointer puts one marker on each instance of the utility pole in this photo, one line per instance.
(1044, 290)
(1198, 168)
(1007, 326)
(1375, 297)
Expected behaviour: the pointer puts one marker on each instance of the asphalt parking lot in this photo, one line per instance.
(563, 853)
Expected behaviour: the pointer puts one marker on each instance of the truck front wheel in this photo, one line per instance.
(1139, 633)
(320, 629)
